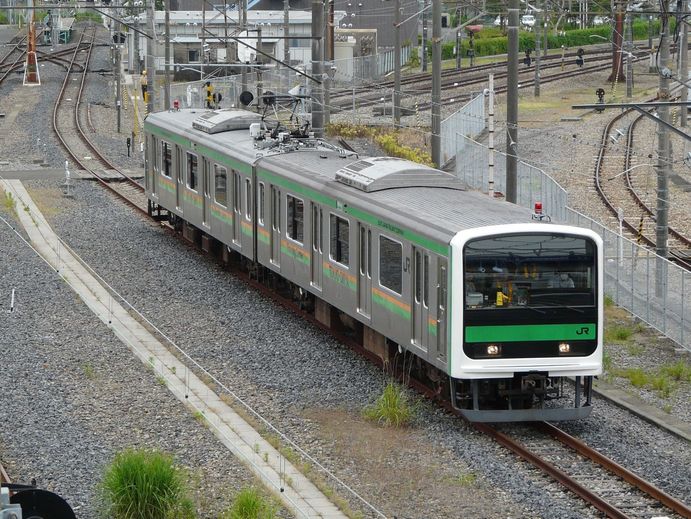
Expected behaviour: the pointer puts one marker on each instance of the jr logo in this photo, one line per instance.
(583, 331)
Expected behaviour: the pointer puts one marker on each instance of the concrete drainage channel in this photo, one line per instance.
(297, 493)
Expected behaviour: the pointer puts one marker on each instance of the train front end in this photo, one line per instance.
(527, 313)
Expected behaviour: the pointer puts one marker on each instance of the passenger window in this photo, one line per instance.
(339, 250)
(425, 290)
(248, 198)
(296, 212)
(261, 203)
(167, 158)
(391, 264)
(221, 185)
(192, 171)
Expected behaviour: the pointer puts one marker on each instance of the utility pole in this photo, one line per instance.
(150, 63)
(260, 84)
(617, 56)
(490, 173)
(436, 82)
(512, 105)
(424, 36)
(317, 58)
(327, 58)
(538, 27)
(118, 86)
(684, 67)
(458, 45)
(628, 47)
(136, 36)
(166, 91)
(663, 154)
(243, 65)
(227, 40)
(397, 65)
(286, 43)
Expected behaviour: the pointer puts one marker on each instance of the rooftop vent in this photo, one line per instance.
(225, 120)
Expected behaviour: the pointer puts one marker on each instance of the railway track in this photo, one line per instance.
(614, 183)
(67, 115)
(348, 102)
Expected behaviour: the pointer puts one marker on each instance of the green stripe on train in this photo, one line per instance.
(531, 332)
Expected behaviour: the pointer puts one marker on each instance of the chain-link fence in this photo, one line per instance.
(468, 121)
(650, 287)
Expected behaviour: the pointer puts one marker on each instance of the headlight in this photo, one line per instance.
(493, 349)
(564, 347)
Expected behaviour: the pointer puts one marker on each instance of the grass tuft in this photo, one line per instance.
(141, 484)
(392, 408)
(680, 371)
(250, 504)
(618, 333)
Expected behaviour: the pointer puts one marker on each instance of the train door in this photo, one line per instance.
(275, 225)
(180, 182)
(237, 207)
(206, 189)
(420, 292)
(364, 286)
(317, 257)
(442, 275)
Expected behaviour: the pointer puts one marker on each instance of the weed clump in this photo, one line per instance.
(392, 408)
(250, 504)
(141, 484)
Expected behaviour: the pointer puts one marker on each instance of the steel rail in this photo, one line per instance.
(82, 134)
(613, 467)
(675, 256)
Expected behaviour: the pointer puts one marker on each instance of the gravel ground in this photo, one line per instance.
(437, 468)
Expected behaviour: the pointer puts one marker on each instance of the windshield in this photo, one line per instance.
(529, 271)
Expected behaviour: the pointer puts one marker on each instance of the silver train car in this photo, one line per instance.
(496, 307)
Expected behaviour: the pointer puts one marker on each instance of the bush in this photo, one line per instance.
(391, 408)
(142, 484)
(250, 504)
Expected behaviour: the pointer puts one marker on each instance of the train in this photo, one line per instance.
(496, 306)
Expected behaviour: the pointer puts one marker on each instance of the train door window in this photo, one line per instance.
(425, 281)
(248, 198)
(339, 250)
(275, 209)
(295, 218)
(260, 203)
(221, 185)
(391, 264)
(192, 170)
(167, 159)
(237, 197)
(418, 275)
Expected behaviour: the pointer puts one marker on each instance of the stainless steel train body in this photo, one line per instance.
(465, 283)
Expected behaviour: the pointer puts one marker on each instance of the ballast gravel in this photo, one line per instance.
(76, 396)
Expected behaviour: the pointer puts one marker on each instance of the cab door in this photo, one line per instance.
(364, 285)
(442, 280)
(317, 252)
(420, 293)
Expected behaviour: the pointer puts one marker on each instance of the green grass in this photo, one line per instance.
(618, 333)
(141, 484)
(680, 371)
(88, 371)
(662, 384)
(250, 504)
(466, 480)
(392, 408)
(636, 376)
(607, 361)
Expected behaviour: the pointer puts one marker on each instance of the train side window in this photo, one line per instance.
(391, 264)
(261, 203)
(192, 167)
(248, 198)
(221, 185)
(339, 249)
(295, 218)
(418, 275)
(167, 159)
